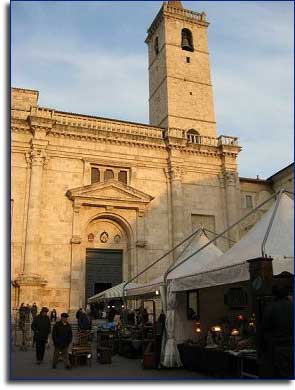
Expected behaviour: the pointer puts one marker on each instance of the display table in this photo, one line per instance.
(248, 366)
(213, 362)
(130, 348)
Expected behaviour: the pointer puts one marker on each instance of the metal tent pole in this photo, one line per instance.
(174, 266)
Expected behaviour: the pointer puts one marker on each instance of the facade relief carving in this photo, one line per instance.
(231, 178)
(37, 157)
(175, 173)
(76, 239)
(104, 237)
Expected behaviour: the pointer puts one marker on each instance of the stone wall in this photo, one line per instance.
(55, 204)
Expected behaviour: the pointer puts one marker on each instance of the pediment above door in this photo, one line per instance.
(112, 193)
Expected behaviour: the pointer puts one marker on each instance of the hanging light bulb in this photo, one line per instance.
(235, 332)
(198, 327)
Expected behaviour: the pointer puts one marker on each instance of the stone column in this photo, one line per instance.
(76, 300)
(232, 206)
(30, 280)
(177, 205)
(140, 245)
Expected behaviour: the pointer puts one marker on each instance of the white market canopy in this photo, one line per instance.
(232, 267)
(194, 264)
(115, 292)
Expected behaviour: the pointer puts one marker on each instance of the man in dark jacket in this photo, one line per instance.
(83, 322)
(41, 328)
(62, 337)
(277, 336)
(34, 310)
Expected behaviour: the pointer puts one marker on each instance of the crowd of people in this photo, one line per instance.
(48, 323)
(27, 311)
(127, 316)
(62, 336)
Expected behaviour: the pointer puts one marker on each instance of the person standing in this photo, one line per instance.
(78, 315)
(83, 322)
(22, 312)
(27, 312)
(62, 336)
(22, 324)
(277, 329)
(41, 328)
(53, 315)
(34, 310)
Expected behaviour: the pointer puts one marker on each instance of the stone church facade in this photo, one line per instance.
(96, 200)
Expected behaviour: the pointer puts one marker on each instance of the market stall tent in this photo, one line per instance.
(272, 236)
(193, 265)
(232, 266)
(198, 258)
(115, 292)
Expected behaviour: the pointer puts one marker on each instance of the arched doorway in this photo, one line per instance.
(106, 255)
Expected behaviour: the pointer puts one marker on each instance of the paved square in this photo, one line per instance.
(25, 368)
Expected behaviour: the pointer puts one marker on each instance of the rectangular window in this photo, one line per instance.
(192, 308)
(249, 201)
(206, 221)
(236, 297)
(188, 60)
(108, 175)
(122, 177)
(95, 175)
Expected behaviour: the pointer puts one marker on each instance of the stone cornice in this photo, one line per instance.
(29, 280)
(41, 121)
(46, 124)
(109, 137)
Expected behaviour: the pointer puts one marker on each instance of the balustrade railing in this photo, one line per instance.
(226, 140)
(211, 141)
(187, 13)
(95, 126)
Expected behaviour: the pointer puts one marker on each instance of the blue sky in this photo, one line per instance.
(90, 57)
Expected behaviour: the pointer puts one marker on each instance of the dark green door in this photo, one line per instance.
(103, 270)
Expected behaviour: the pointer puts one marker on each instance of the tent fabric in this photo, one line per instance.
(171, 356)
(146, 288)
(111, 293)
(196, 263)
(232, 267)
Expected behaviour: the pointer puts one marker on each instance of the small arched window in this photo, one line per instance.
(108, 175)
(193, 136)
(156, 46)
(187, 40)
(95, 175)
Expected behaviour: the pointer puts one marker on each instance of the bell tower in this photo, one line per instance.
(180, 89)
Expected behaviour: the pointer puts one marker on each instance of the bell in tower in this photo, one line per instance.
(180, 87)
(186, 40)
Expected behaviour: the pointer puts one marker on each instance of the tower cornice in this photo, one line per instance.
(170, 10)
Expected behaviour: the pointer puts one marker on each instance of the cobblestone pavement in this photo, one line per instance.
(23, 367)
